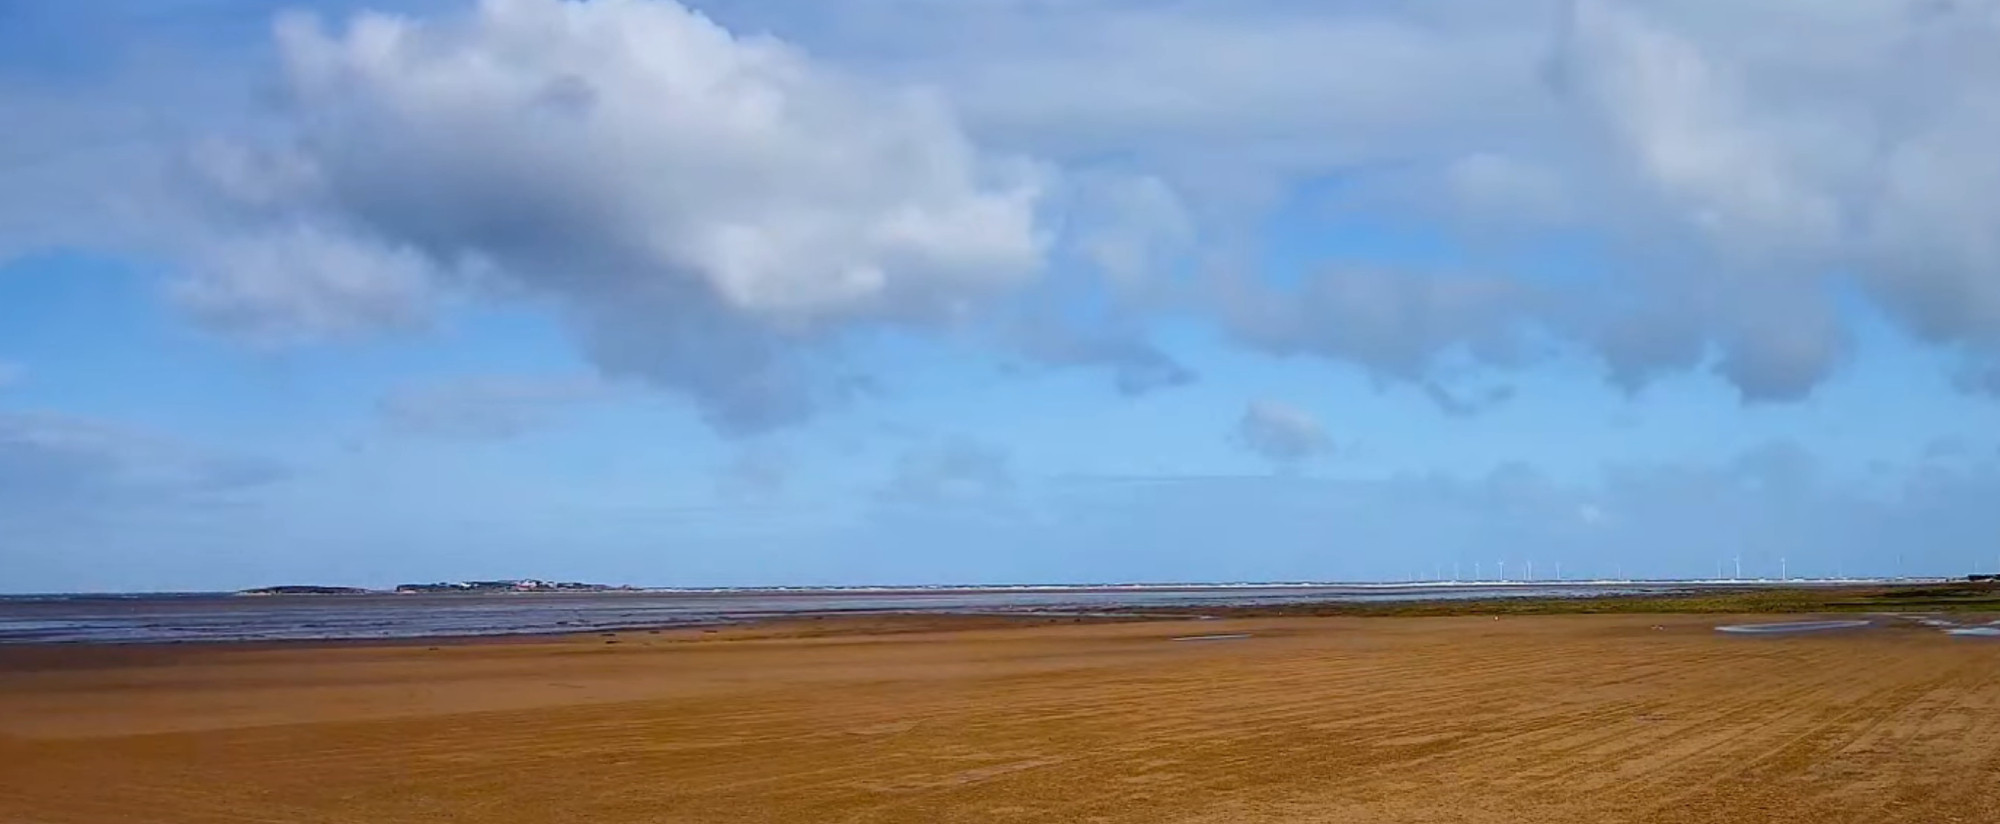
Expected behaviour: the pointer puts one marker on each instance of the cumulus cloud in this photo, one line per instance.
(305, 282)
(1397, 324)
(694, 200)
(1734, 183)
(1138, 366)
(1282, 433)
(1791, 169)
(1132, 228)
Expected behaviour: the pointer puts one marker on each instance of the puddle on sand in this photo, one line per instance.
(1991, 629)
(1230, 637)
(1792, 626)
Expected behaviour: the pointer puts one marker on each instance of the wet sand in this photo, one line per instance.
(1468, 719)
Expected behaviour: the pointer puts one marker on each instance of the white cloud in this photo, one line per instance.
(1131, 227)
(1682, 119)
(642, 133)
(1733, 179)
(305, 282)
(695, 200)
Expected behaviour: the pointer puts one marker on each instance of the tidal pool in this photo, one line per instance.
(1792, 626)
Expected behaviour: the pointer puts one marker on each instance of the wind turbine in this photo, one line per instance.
(1503, 569)
(1739, 569)
(1531, 570)
(1784, 572)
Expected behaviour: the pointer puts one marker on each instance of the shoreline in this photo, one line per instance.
(1947, 597)
(794, 626)
(965, 589)
(914, 719)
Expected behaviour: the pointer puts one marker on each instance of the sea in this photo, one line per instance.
(229, 617)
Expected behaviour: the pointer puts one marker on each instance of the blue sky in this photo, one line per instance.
(905, 291)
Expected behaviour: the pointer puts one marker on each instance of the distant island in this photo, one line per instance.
(525, 585)
(304, 590)
(451, 587)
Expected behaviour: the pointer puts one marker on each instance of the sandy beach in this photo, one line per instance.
(1461, 719)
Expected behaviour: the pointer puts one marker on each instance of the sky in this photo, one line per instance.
(740, 293)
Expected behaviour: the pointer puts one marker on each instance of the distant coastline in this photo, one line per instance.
(293, 589)
(532, 585)
(311, 613)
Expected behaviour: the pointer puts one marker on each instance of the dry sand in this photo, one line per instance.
(1549, 719)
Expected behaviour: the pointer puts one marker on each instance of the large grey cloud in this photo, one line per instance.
(705, 208)
(695, 202)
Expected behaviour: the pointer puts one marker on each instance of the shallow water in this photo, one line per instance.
(224, 617)
(1236, 636)
(1792, 627)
